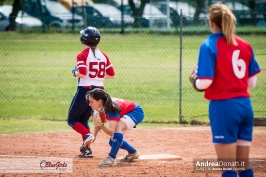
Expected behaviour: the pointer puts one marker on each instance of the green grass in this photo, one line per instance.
(22, 126)
(36, 80)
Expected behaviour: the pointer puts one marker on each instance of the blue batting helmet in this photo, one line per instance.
(90, 36)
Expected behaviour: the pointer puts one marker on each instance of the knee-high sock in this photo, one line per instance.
(117, 141)
(229, 173)
(130, 149)
(246, 173)
(80, 128)
(125, 145)
(110, 142)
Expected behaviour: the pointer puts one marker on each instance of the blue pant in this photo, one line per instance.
(79, 110)
(137, 114)
(231, 120)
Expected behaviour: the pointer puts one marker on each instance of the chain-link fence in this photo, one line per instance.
(152, 66)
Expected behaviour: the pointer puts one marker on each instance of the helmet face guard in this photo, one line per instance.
(90, 36)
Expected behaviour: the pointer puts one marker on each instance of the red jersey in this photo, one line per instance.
(126, 106)
(227, 65)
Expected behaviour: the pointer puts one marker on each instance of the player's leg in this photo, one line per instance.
(243, 149)
(85, 150)
(245, 137)
(132, 152)
(125, 123)
(86, 114)
(224, 120)
(77, 108)
(117, 139)
(226, 153)
(131, 120)
(115, 143)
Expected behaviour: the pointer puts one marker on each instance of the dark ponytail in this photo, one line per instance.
(93, 48)
(99, 94)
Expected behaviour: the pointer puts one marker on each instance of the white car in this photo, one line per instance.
(155, 16)
(235, 6)
(56, 9)
(187, 10)
(151, 16)
(113, 14)
(23, 19)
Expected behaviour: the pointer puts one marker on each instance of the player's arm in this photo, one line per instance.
(111, 129)
(203, 84)
(96, 130)
(108, 77)
(254, 69)
(199, 84)
(81, 66)
(252, 81)
(109, 70)
(79, 75)
(202, 76)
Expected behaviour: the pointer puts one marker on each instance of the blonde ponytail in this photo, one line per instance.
(223, 17)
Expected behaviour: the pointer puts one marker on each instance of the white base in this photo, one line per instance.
(160, 157)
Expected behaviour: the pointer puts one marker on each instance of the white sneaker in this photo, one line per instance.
(107, 162)
(130, 157)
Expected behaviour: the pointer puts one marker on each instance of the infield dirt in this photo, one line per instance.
(187, 142)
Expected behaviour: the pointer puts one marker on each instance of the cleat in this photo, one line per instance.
(85, 151)
(130, 157)
(83, 148)
(108, 162)
(88, 138)
(86, 154)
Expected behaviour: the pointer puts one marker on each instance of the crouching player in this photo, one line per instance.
(122, 115)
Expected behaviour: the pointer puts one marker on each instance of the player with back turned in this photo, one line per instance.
(93, 66)
(226, 69)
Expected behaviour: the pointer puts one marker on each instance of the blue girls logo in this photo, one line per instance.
(42, 164)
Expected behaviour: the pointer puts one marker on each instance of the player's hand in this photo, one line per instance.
(193, 75)
(102, 115)
(74, 70)
(97, 120)
(93, 139)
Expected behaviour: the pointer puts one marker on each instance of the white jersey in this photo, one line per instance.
(96, 67)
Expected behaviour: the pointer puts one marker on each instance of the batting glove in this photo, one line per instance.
(74, 70)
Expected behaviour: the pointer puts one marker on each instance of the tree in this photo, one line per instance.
(13, 15)
(137, 11)
(199, 7)
(251, 4)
